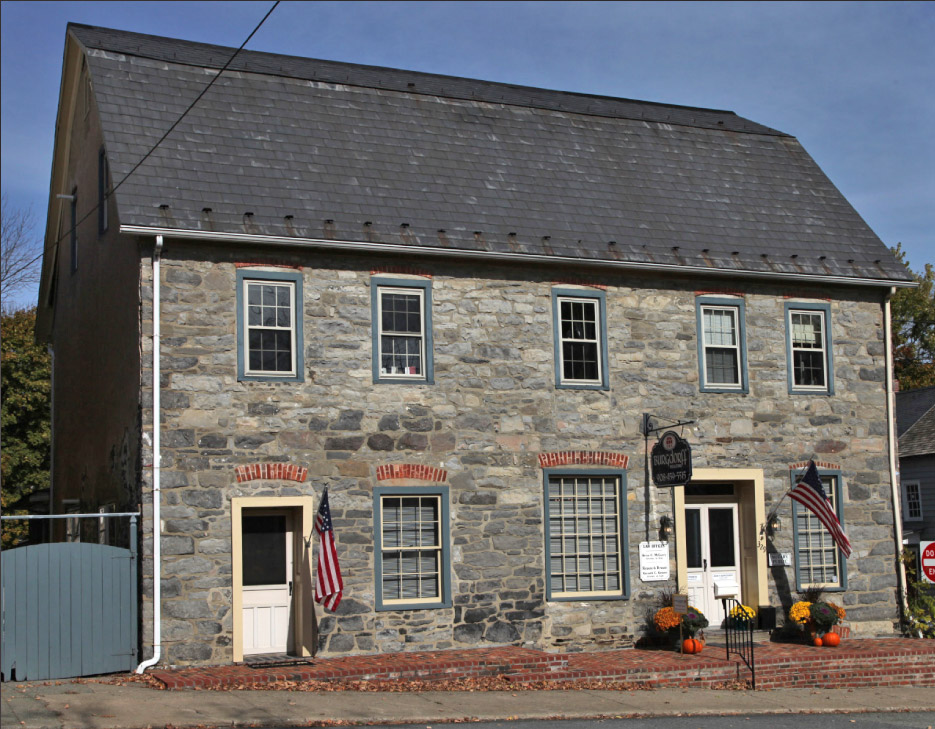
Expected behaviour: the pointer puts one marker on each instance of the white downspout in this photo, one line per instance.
(157, 496)
(891, 434)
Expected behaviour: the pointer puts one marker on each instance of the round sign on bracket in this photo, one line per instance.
(670, 461)
(927, 560)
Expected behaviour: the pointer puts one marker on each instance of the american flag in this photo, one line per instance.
(809, 492)
(329, 584)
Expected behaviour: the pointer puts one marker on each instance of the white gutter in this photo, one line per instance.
(157, 494)
(525, 258)
(893, 442)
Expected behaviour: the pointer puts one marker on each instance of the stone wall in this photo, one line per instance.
(492, 410)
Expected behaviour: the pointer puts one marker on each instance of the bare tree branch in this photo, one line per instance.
(20, 250)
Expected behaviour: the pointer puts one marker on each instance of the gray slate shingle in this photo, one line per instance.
(279, 135)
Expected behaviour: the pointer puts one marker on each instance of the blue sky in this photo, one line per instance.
(855, 82)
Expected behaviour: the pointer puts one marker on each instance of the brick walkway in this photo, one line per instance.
(855, 663)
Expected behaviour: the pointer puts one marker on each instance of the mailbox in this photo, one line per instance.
(724, 590)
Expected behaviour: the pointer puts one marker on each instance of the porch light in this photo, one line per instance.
(665, 528)
(775, 524)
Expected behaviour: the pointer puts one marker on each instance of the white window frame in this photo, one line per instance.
(736, 347)
(247, 328)
(823, 349)
(817, 538)
(912, 495)
(596, 304)
(577, 512)
(437, 549)
(408, 291)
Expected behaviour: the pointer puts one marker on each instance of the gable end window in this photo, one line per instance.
(818, 561)
(912, 501)
(269, 326)
(103, 188)
(808, 346)
(402, 330)
(412, 557)
(579, 326)
(586, 535)
(722, 351)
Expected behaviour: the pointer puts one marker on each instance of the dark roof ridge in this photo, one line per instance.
(263, 62)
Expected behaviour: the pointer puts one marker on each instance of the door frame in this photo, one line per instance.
(303, 517)
(707, 571)
(749, 486)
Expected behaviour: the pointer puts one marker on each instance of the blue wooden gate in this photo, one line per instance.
(68, 609)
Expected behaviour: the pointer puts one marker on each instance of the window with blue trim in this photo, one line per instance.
(269, 326)
(412, 556)
(402, 330)
(586, 535)
(808, 345)
(818, 561)
(580, 336)
(722, 355)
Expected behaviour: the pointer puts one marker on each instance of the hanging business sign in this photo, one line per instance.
(670, 461)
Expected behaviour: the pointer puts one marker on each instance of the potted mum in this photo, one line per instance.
(692, 622)
(741, 616)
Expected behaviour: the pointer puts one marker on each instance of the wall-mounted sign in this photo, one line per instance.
(654, 561)
(780, 559)
(670, 462)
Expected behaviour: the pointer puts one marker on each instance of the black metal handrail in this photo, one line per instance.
(738, 636)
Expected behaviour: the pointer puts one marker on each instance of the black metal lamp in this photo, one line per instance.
(665, 528)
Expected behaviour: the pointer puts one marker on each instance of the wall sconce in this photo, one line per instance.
(665, 528)
(774, 525)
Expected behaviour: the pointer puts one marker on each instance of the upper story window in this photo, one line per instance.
(586, 539)
(402, 330)
(912, 501)
(73, 229)
(269, 326)
(580, 337)
(808, 343)
(103, 187)
(722, 354)
(818, 561)
(412, 547)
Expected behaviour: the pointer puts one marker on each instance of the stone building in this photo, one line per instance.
(451, 302)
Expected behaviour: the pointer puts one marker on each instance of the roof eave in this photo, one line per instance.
(396, 248)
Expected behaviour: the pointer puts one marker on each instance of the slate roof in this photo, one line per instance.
(919, 438)
(911, 405)
(294, 147)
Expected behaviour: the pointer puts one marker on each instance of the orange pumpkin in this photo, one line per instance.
(818, 642)
(691, 645)
(831, 639)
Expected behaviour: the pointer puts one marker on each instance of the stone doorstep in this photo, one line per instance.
(856, 663)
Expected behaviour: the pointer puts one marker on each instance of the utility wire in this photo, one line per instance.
(109, 193)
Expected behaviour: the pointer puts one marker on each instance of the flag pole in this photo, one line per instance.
(775, 509)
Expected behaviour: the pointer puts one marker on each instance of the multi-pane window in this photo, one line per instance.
(817, 556)
(912, 508)
(402, 330)
(580, 339)
(585, 536)
(721, 344)
(269, 325)
(412, 545)
(809, 356)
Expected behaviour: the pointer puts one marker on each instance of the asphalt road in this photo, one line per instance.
(900, 720)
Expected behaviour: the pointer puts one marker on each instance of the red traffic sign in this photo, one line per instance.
(927, 558)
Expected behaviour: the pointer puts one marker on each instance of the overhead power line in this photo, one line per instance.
(109, 193)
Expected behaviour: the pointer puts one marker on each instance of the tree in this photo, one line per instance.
(913, 315)
(19, 250)
(25, 415)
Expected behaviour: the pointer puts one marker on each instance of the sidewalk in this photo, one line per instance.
(890, 674)
(89, 705)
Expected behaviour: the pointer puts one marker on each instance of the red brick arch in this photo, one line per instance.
(411, 470)
(271, 472)
(583, 458)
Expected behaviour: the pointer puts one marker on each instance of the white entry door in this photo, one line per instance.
(713, 555)
(267, 581)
